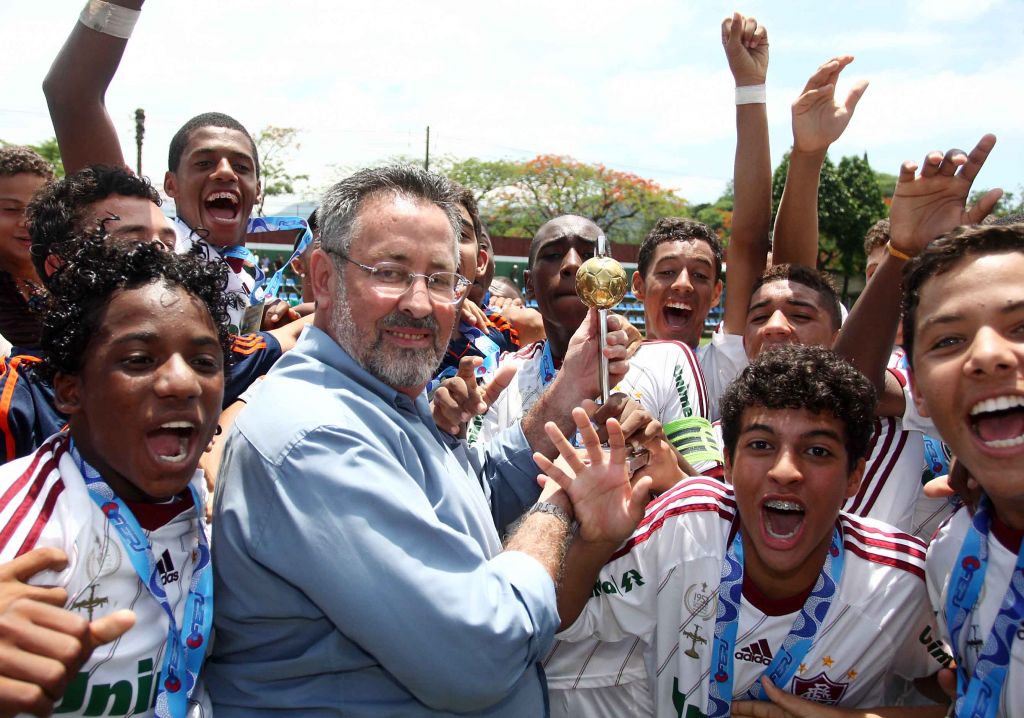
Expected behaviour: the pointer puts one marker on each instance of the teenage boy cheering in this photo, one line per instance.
(787, 570)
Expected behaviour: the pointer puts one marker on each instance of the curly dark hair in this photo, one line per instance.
(207, 119)
(943, 255)
(466, 199)
(809, 277)
(82, 287)
(16, 160)
(57, 214)
(877, 236)
(803, 377)
(672, 229)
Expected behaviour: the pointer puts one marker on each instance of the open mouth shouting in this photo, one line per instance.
(998, 422)
(677, 314)
(782, 521)
(222, 206)
(170, 443)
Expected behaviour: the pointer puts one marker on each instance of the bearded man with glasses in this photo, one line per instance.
(360, 566)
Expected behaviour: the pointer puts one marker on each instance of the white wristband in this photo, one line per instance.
(750, 95)
(109, 19)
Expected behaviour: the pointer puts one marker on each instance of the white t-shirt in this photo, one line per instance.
(942, 554)
(46, 503)
(661, 587)
(721, 361)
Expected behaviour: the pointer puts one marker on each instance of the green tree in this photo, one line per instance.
(850, 200)
(275, 146)
(49, 151)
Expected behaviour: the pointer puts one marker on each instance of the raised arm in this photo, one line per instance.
(924, 207)
(818, 121)
(746, 48)
(77, 83)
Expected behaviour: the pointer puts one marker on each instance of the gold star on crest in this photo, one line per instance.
(851, 674)
(827, 661)
(803, 668)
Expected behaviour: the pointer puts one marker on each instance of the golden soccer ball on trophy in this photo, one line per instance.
(601, 282)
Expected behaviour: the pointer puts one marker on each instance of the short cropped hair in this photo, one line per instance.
(82, 287)
(673, 229)
(466, 199)
(16, 160)
(809, 277)
(57, 213)
(803, 377)
(877, 236)
(944, 254)
(207, 119)
(339, 211)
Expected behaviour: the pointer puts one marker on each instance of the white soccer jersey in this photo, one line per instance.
(661, 587)
(890, 489)
(240, 284)
(721, 361)
(1002, 559)
(44, 502)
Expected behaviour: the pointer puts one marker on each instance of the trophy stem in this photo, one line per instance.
(603, 321)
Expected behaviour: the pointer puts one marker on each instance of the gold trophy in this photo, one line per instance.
(601, 283)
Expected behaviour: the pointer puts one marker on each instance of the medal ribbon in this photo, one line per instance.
(484, 344)
(186, 649)
(278, 224)
(978, 696)
(795, 646)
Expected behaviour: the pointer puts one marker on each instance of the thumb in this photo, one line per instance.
(855, 94)
(499, 382)
(984, 206)
(793, 706)
(110, 628)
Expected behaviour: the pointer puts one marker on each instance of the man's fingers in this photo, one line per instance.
(563, 447)
(467, 368)
(951, 161)
(976, 159)
(23, 697)
(757, 709)
(27, 565)
(616, 442)
(811, 97)
(932, 160)
(499, 381)
(907, 171)
(53, 596)
(749, 28)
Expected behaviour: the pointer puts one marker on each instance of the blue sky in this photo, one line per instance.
(641, 86)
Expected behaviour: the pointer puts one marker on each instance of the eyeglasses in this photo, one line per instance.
(393, 280)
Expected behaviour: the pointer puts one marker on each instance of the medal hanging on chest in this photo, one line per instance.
(796, 644)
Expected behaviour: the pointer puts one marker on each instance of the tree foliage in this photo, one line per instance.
(850, 200)
(517, 197)
(275, 146)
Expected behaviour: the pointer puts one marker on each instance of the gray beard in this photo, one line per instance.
(394, 366)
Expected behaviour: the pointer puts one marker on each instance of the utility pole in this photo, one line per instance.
(426, 160)
(140, 131)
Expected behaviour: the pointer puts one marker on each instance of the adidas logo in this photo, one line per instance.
(757, 652)
(166, 568)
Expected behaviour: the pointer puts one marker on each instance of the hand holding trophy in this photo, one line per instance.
(601, 282)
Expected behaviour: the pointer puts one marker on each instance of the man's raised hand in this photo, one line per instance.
(818, 119)
(460, 398)
(606, 505)
(746, 49)
(926, 206)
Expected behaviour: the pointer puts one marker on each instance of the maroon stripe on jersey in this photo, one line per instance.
(33, 492)
(688, 489)
(41, 519)
(915, 543)
(869, 474)
(698, 375)
(883, 544)
(886, 560)
(880, 483)
(654, 526)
